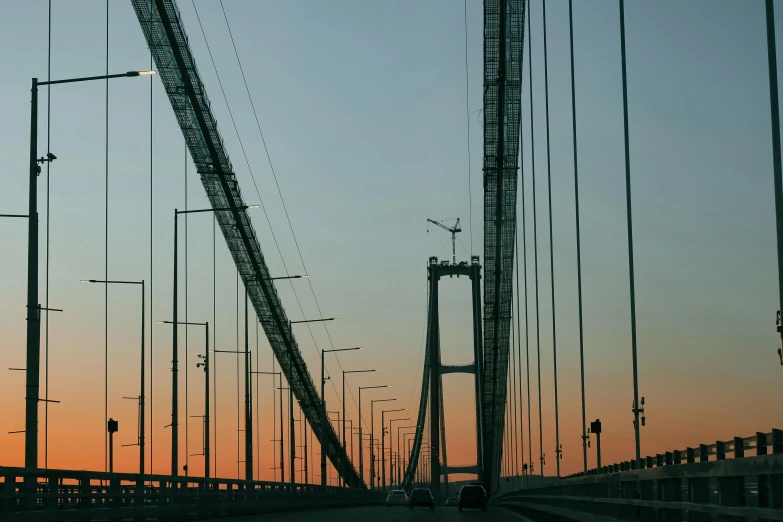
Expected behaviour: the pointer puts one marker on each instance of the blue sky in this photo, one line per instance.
(362, 105)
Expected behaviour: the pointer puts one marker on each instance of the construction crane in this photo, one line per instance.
(453, 231)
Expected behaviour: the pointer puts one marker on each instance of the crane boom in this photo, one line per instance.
(453, 230)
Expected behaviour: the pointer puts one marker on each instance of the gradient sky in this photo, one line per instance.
(362, 105)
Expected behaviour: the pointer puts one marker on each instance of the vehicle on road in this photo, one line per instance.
(473, 496)
(421, 497)
(452, 501)
(396, 497)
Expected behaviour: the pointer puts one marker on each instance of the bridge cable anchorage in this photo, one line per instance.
(282, 200)
(164, 32)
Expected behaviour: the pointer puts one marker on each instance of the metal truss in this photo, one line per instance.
(162, 26)
(503, 37)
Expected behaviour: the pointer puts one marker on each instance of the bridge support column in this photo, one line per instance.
(478, 362)
(434, 347)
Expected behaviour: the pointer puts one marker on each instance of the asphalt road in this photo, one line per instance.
(391, 514)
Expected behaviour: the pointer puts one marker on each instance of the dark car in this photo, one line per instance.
(473, 497)
(421, 497)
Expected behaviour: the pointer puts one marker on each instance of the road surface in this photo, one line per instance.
(392, 514)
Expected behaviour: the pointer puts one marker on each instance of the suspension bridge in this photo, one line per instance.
(740, 478)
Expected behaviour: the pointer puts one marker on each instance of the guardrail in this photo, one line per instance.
(64, 495)
(731, 486)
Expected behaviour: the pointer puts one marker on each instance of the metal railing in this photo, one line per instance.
(38, 495)
(675, 486)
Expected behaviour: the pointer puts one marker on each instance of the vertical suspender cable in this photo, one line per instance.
(258, 411)
(519, 346)
(513, 383)
(152, 301)
(578, 235)
(516, 256)
(214, 341)
(535, 253)
(239, 421)
(187, 414)
(274, 423)
(551, 249)
(629, 219)
(524, 246)
(467, 116)
(775, 113)
(106, 265)
(48, 150)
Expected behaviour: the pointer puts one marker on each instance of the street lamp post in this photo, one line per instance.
(142, 394)
(324, 420)
(383, 442)
(406, 443)
(174, 360)
(391, 442)
(282, 460)
(291, 433)
(337, 412)
(401, 454)
(361, 444)
(32, 378)
(205, 365)
(372, 436)
(344, 417)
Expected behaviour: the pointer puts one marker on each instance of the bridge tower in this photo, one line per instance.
(438, 463)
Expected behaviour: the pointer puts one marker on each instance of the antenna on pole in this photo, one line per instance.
(453, 231)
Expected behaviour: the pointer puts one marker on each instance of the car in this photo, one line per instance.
(452, 501)
(473, 496)
(421, 497)
(396, 497)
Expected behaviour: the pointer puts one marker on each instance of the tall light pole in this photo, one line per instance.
(142, 393)
(322, 433)
(344, 416)
(324, 419)
(205, 365)
(372, 436)
(339, 420)
(391, 442)
(174, 357)
(406, 451)
(248, 407)
(361, 442)
(282, 460)
(33, 368)
(291, 434)
(383, 443)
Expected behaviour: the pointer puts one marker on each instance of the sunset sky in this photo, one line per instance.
(362, 105)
